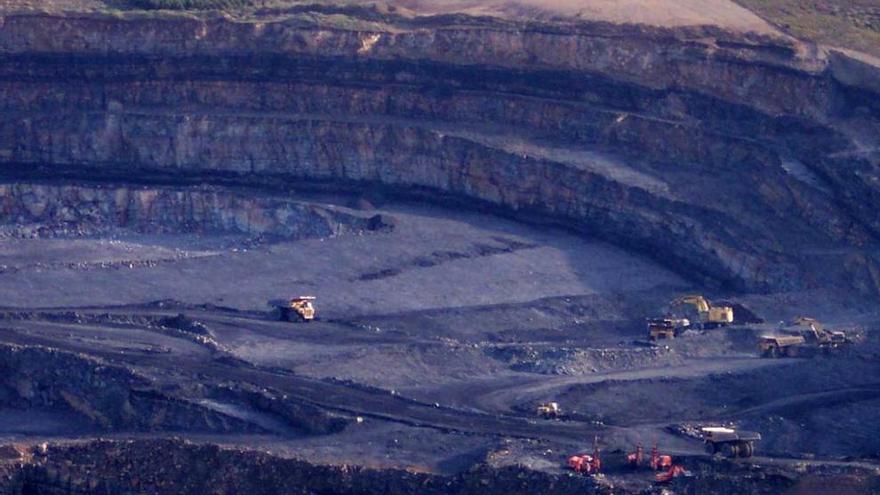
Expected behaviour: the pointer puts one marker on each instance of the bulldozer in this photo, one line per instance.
(708, 316)
(803, 337)
(300, 308)
(666, 328)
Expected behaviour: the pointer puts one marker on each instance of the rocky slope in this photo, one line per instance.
(747, 160)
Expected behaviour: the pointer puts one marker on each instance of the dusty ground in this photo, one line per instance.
(441, 334)
(725, 13)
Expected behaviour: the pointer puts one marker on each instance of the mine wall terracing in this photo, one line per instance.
(740, 159)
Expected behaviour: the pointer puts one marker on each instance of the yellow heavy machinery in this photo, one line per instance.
(301, 308)
(666, 328)
(780, 345)
(802, 337)
(708, 316)
(549, 410)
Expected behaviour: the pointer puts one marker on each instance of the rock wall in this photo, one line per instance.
(737, 159)
(90, 210)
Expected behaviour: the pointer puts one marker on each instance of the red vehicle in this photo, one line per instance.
(673, 472)
(658, 461)
(587, 463)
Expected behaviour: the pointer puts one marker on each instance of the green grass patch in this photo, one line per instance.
(853, 24)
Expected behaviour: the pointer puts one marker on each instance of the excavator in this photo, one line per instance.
(708, 316)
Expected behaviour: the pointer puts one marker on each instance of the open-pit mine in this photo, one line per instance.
(439, 247)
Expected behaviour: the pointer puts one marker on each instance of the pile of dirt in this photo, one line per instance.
(183, 323)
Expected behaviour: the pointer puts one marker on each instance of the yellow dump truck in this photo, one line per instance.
(773, 346)
(666, 328)
(802, 337)
(300, 308)
(549, 410)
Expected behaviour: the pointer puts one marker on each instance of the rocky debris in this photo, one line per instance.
(719, 475)
(183, 323)
(577, 361)
(173, 466)
(194, 331)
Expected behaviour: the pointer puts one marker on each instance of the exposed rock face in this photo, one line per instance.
(743, 159)
(93, 210)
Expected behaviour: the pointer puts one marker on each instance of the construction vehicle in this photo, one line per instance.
(666, 328)
(773, 346)
(635, 459)
(729, 442)
(587, 463)
(657, 461)
(815, 332)
(549, 410)
(300, 308)
(708, 316)
(673, 472)
(802, 337)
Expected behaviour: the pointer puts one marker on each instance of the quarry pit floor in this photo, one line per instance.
(437, 336)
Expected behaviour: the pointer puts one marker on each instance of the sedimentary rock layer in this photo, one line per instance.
(743, 159)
